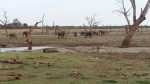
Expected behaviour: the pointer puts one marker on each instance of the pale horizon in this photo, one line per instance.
(67, 12)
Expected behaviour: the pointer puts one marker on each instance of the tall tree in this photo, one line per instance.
(136, 21)
(125, 12)
(5, 22)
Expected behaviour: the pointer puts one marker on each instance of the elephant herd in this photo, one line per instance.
(62, 34)
(90, 34)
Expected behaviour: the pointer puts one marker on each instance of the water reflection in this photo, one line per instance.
(17, 49)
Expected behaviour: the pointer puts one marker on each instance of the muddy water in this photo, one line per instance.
(18, 49)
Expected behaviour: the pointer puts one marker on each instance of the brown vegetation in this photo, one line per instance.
(113, 39)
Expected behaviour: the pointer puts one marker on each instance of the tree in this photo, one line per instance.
(29, 33)
(25, 25)
(16, 22)
(92, 22)
(136, 21)
(43, 23)
(5, 22)
(125, 12)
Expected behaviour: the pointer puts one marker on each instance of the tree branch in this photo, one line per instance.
(91, 20)
(123, 11)
(2, 22)
(134, 10)
(144, 12)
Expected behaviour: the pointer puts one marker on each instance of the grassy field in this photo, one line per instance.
(79, 68)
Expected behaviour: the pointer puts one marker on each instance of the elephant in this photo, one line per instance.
(12, 35)
(102, 32)
(61, 34)
(82, 33)
(88, 34)
(95, 33)
(75, 34)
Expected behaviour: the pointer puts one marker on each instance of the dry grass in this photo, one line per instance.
(79, 68)
(114, 38)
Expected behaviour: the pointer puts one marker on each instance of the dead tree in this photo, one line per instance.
(92, 21)
(43, 23)
(125, 13)
(28, 36)
(5, 22)
(56, 29)
(136, 22)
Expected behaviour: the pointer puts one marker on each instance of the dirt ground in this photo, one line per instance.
(108, 43)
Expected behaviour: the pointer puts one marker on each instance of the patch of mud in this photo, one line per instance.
(102, 49)
(105, 49)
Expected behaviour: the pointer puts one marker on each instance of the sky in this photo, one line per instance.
(68, 12)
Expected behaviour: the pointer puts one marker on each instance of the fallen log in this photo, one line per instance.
(9, 77)
(12, 61)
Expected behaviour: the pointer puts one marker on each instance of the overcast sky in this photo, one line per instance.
(67, 12)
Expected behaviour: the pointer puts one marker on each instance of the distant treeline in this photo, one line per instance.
(87, 27)
(68, 27)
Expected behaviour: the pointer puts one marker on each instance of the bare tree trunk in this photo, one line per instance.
(46, 31)
(127, 28)
(5, 22)
(29, 44)
(55, 32)
(136, 22)
(42, 30)
(43, 24)
(28, 36)
(128, 38)
(6, 31)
